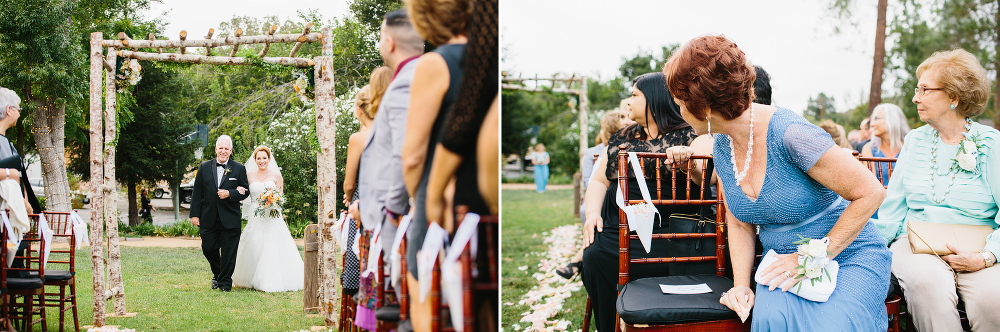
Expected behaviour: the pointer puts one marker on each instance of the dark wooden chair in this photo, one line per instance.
(347, 308)
(61, 271)
(20, 285)
(387, 315)
(478, 291)
(641, 304)
(882, 168)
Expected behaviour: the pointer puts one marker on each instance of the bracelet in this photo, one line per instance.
(8, 173)
(988, 258)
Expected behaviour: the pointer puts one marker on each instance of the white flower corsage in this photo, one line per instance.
(812, 259)
(968, 153)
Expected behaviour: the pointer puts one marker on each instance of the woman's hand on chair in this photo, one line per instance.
(739, 299)
(593, 222)
(678, 154)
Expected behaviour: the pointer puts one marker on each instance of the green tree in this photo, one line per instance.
(819, 107)
(370, 12)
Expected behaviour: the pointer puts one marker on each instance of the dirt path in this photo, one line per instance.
(531, 186)
(165, 242)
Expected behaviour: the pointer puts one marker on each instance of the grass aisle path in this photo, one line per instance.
(169, 289)
(527, 218)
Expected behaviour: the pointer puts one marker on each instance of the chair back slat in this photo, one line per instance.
(683, 191)
(874, 164)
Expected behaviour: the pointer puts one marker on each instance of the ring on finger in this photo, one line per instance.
(788, 273)
(724, 294)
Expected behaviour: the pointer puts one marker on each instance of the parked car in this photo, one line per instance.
(160, 191)
(38, 186)
(187, 192)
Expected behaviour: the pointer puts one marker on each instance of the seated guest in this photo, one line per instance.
(948, 174)
(888, 126)
(803, 196)
(658, 126)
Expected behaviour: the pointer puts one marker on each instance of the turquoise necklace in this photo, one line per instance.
(951, 169)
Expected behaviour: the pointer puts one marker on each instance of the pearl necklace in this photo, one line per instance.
(259, 172)
(934, 166)
(746, 164)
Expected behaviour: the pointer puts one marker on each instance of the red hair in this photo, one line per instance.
(711, 73)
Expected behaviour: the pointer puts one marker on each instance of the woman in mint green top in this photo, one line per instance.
(947, 172)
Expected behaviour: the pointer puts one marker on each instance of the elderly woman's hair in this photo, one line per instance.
(836, 132)
(7, 98)
(363, 101)
(961, 76)
(379, 82)
(610, 124)
(895, 124)
(660, 106)
(439, 20)
(711, 73)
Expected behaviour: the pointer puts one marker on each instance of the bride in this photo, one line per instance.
(267, 258)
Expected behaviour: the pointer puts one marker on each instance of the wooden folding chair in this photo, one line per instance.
(62, 273)
(641, 304)
(477, 291)
(23, 285)
(387, 315)
(347, 308)
(882, 168)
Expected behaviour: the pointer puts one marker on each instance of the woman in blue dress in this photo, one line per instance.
(888, 125)
(783, 174)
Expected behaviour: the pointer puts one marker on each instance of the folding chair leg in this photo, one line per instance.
(586, 316)
(62, 307)
(76, 319)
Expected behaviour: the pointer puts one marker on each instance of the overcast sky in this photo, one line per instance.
(792, 39)
(197, 16)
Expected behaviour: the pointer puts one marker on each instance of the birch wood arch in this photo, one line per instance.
(103, 57)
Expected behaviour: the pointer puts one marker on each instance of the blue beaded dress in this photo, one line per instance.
(790, 196)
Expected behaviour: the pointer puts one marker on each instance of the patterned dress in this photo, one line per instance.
(790, 196)
(600, 259)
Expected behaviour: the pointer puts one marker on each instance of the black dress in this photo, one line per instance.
(600, 259)
(452, 54)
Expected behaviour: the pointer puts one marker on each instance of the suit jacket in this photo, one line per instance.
(380, 180)
(205, 203)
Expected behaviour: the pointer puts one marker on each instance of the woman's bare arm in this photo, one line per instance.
(430, 83)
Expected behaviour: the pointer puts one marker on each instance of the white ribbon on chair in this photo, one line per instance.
(79, 230)
(640, 216)
(46, 232)
(395, 262)
(374, 249)
(13, 242)
(427, 257)
(339, 231)
(451, 270)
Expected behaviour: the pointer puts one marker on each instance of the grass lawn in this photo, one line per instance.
(526, 214)
(170, 290)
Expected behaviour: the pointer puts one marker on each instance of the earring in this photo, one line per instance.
(952, 106)
(710, 125)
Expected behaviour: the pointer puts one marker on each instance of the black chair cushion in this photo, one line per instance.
(389, 313)
(23, 283)
(53, 275)
(642, 302)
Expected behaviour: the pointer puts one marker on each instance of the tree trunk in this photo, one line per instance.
(133, 203)
(96, 177)
(875, 95)
(111, 189)
(48, 125)
(330, 257)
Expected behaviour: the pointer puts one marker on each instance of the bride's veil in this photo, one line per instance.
(251, 166)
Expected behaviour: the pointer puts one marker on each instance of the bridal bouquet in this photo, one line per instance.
(270, 202)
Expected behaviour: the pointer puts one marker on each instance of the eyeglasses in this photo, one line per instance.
(921, 91)
(16, 108)
(878, 118)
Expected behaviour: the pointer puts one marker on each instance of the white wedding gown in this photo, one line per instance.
(267, 259)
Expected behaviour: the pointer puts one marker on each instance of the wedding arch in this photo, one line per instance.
(103, 139)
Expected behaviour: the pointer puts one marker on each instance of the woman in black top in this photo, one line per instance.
(146, 210)
(658, 126)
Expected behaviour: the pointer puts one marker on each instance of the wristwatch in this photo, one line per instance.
(989, 258)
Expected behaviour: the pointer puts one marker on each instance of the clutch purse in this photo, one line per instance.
(818, 291)
(930, 237)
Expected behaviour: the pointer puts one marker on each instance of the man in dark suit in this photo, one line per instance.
(219, 187)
